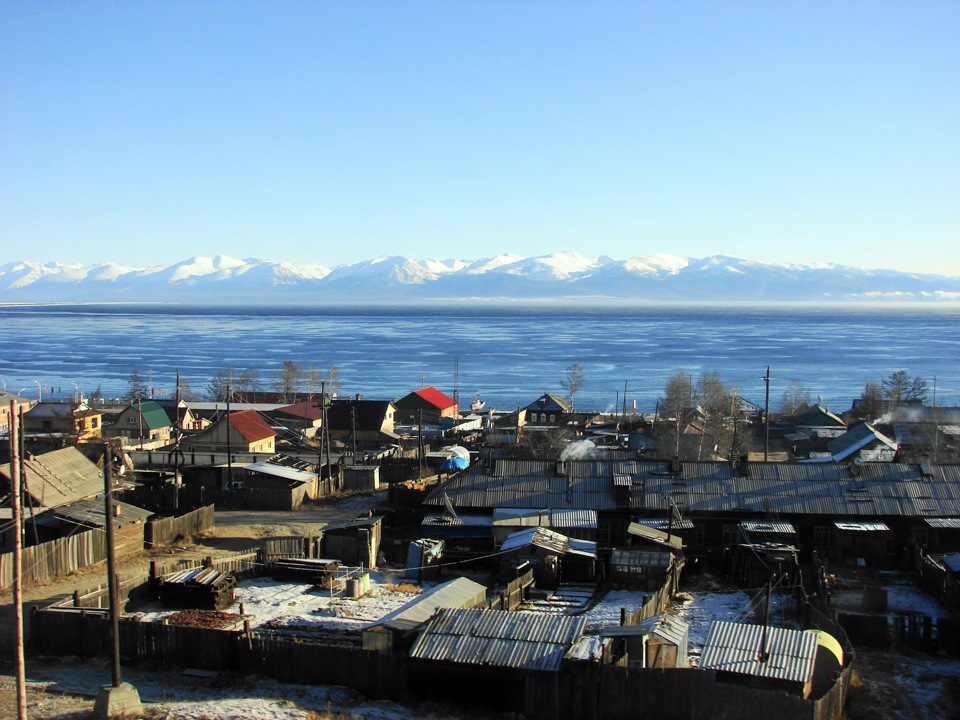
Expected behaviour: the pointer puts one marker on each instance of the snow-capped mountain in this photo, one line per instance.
(563, 275)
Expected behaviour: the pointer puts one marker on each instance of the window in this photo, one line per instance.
(699, 534)
(553, 418)
(821, 536)
(131, 420)
(731, 535)
(921, 536)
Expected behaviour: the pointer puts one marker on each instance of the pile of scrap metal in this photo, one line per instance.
(200, 588)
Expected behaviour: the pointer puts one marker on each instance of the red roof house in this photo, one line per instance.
(431, 402)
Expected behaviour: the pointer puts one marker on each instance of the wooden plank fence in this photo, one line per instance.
(512, 595)
(165, 531)
(55, 558)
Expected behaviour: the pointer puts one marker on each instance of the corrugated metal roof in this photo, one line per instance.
(662, 523)
(646, 532)
(282, 471)
(498, 638)
(944, 523)
(459, 521)
(862, 526)
(92, 512)
(518, 517)
(825, 489)
(548, 540)
(458, 593)
(61, 477)
(735, 647)
(765, 526)
(571, 519)
(952, 562)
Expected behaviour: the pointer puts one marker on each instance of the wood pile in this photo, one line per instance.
(209, 619)
(319, 571)
(201, 588)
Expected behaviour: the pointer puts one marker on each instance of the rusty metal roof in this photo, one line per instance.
(735, 647)
(498, 638)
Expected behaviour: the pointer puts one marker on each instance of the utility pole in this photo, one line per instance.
(177, 434)
(24, 484)
(118, 699)
(420, 441)
(229, 449)
(16, 488)
(766, 417)
(112, 583)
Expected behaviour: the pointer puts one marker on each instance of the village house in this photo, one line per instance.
(181, 415)
(305, 418)
(368, 423)
(142, 422)
(861, 443)
(426, 405)
(239, 432)
(62, 423)
(21, 404)
(548, 409)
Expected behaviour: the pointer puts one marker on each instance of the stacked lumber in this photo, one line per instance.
(319, 571)
(202, 588)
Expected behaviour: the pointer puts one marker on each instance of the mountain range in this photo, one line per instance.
(558, 276)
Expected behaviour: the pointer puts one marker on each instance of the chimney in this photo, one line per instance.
(743, 466)
(675, 464)
(925, 467)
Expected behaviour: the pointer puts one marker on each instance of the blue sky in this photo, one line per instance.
(332, 132)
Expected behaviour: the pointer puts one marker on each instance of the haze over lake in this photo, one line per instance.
(506, 354)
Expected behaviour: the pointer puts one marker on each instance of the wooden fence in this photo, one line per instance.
(55, 558)
(165, 531)
(512, 596)
(657, 603)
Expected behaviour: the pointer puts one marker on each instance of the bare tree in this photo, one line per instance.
(795, 397)
(288, 379)
(187, 393)
(716, 404)
(871, 403)
(573, 382)
(248, 381)
(333, 381)
(673, 408)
